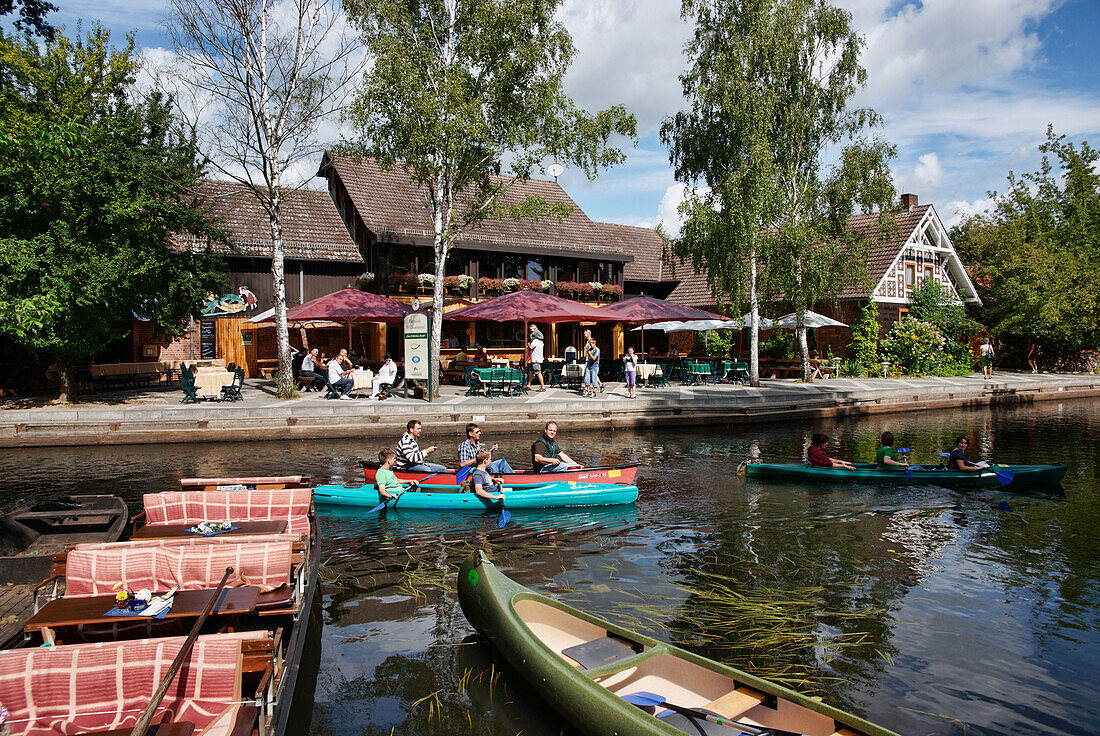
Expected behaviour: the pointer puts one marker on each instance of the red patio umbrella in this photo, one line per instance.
(347, 305)
(643, 309)
(531, 306)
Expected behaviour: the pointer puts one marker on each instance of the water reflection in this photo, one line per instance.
(924, 609)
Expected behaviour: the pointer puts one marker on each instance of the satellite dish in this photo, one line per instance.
(555, 170)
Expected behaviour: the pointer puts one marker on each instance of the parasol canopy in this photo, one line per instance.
(651, 309)
(531, 306)
(346, 305)
(812, 320)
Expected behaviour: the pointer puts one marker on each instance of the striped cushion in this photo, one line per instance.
(95, 572)
(192, 507)
(191, 541)
(89, 687)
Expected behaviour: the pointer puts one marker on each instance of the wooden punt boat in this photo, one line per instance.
(585, 666)
(28, 538)
(624, 473)
(245, 483)
(1023, 476)
(449, 498)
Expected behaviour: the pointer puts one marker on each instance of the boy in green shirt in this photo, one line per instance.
(887, 457)
(385, 480)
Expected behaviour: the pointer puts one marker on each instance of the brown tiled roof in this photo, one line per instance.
(693, 289)
(392, 206)
(312, 228)
(645, 245)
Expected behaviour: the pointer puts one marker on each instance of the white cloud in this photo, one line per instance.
(668, 212)
(955, 212)
(926, 177)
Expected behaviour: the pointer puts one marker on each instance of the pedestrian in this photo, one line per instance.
(410, 457)
(988, 355)
(535, 345)
(588, 337)
(630, 371)
(1033, 356)
(591, 368)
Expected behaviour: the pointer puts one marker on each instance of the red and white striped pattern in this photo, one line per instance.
(193, 507)
(192, 541)
(90, 687)
(95, 572)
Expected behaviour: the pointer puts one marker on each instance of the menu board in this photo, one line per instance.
(208, 339)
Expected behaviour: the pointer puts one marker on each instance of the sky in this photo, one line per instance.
(967, 88)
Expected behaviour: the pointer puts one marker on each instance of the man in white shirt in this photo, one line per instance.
(534, 364)
(387, 375)
(309, 370)
(339, 370)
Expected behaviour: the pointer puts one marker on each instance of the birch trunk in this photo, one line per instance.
(439, 219)
(803, 346)
(754, 332)
(278, 282)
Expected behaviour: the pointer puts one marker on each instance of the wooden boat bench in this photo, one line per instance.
(293, 505)
(45, 687)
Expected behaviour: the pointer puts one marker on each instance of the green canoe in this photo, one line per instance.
(585, 666)
(1023, 476)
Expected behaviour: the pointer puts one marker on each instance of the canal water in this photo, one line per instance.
(926, 610)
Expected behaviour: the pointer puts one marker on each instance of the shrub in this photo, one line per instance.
(931, 303)
(613, 289)
(916, 346)
(780, 346)
(864, 347)
(853, 369)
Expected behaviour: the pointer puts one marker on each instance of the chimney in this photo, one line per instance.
(908, 202)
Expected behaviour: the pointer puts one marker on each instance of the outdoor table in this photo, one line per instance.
(210, 382)
(179, 531)
(510, 380)
(63, 612)
(362, 379)
(647, 371)
(171, 728)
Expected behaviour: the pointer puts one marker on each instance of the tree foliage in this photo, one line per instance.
(463, 90)
(1034, 259)
(864, 346)
(931, 303)
(769, 87)
(32, 16)
(93, 183)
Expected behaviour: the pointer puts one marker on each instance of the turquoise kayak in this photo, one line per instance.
(447, 498)
(1022, 476)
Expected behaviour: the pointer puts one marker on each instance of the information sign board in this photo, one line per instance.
(416, 346)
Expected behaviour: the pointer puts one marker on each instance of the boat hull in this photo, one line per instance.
(444, 498)
(625, 474)
(491, 603)
(1025, 476)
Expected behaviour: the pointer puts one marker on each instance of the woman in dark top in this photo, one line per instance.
(816, 454)
(957, 460)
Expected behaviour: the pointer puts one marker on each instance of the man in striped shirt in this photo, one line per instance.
(410, 457)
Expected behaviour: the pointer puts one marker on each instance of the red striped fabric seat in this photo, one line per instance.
(96, 571)
(192, 507)
(193, 541)
(73, 689)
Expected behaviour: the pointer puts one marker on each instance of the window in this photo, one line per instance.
(929, 272)
(902, 312)
(513, 266)
(910, 275)
(536, 269)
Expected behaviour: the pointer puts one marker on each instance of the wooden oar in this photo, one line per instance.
(158, 695)
(653, 699)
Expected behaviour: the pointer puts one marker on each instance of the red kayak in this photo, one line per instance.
(606, 474)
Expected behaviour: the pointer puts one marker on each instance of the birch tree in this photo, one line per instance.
(262, 77)
(463, 90)
(769, 86)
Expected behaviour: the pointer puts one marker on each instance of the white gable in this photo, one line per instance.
(927, 253)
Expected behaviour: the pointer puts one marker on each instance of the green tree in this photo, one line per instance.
(864, 346)
(1034, 258)
(93, 185)
(459, 91)
(32, 16)
(769, 85)
(931, 303)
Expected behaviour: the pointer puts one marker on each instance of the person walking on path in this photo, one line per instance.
(1032, 357)
(987, 355)
(410, 457)
(591, 368)
(588, 338)
(536, 345)
(630, 371)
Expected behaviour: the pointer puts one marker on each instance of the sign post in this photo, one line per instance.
(417, 352)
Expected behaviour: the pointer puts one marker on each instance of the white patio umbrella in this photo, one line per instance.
(765, 323)
(813, 320)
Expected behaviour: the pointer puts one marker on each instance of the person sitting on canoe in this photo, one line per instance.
(957, 459)
(887, 456)
(546, 456)
(482, 482)
(816, 454)
(467, 451)
(410, 457)
(385, 481)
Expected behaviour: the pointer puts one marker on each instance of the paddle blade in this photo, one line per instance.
(505, 517)
(379, 507)
(908, 474)
(463, 473)
(945, 454)
(1005, 476)
(644, 698)
(903, 450)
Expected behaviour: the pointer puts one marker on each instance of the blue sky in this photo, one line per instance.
(967, 88)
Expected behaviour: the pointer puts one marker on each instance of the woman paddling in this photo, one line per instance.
(816, 454)
(957, 459)
(385, 481)
(887, 456)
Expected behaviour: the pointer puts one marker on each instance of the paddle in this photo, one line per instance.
(382, 505)
(505, 516)
(1004, 476)
(653, 699)
(151, 709)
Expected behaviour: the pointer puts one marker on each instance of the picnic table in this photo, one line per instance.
(209, 381)
(498, 380)
(179, 531)
(62, 613)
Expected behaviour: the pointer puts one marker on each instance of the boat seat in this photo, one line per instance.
(698, 726)
(602, 651)
(736, 702)
(281, 597)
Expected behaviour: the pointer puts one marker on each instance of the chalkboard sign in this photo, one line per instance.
(208, 339)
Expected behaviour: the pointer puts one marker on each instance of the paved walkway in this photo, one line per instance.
(155, 415)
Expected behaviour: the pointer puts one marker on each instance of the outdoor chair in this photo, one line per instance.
(660, 377)
(517, 381)
(738, 373)
(187, 384)
(496, 382)
(331, 392)
(473, 381)
(570, 354)
(232, 392)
